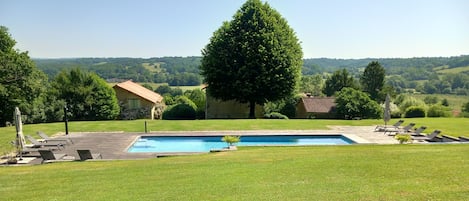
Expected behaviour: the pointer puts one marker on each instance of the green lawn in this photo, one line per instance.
(357, 172)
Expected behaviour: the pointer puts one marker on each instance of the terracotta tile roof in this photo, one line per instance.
(319, 104)
(141, 91)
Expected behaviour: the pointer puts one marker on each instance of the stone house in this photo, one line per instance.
(137, 101)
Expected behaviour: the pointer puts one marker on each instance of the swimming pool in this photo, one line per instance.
(206, 143)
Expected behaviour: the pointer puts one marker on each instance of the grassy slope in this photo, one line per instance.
(455, 101)
(453, 70)
(358, 172)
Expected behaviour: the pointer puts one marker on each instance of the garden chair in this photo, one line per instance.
(405, 129)
(49, 156)
(427, 137)
(417, 132)
(37, 144)
(86, 154)
(395, 125)
(46, 138)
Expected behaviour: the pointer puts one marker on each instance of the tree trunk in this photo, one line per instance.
(252, 110)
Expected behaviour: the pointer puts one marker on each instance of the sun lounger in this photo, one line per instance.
(49, 156)
(463, 139)
(37, 144)
(86, 154)
(46, 138)
(405, 129)
(427, 137)
(417, 132)
(395, 126)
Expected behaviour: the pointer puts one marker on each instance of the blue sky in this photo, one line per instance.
(156, 28)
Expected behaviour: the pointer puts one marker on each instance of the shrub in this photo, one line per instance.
(415, 111)
(465, 107)
(409, 102)
(445, 102)
(438, 111)
(275, 115)
(430, 100)
(186, 100)
(179, 111)
(230, 139)
(402, 138)
(352, 103)
(286, 107)
(396, 114)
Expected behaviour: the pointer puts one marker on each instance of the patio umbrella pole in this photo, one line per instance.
(66, 119)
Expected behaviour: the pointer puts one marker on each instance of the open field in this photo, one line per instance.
(449, 126)
(357, 172)
(453, 70)
(455, 101)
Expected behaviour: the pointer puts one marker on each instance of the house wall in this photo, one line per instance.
(124, 96)
(217, 109)
(301, 111)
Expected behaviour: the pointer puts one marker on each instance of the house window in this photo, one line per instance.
(134, 103)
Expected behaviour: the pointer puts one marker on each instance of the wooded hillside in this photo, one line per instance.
(178, 71)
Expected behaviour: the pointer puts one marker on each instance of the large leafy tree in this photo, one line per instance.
(372, 80)
(339, 80)
(88, 96)
(254, 58)
(353, 103)
(21, 83)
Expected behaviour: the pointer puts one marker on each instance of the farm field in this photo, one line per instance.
(455, 101)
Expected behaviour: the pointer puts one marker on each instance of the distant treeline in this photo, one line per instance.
(176, 71)
(179, 71)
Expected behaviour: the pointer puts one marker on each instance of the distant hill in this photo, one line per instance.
(179, 71)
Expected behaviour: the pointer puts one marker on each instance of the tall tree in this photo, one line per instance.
(372, 80)
(20, 81)
(88, 96)
(254, 58)
(339, 80)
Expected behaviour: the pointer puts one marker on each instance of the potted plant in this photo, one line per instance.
(402, 138)
(231, 140)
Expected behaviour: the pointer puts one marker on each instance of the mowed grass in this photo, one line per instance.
(356, 172)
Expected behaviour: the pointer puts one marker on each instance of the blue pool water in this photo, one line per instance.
(207, 143)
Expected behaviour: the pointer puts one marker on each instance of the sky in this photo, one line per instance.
(156, 28)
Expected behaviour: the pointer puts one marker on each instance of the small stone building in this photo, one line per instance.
(137, 101)
(316, 107)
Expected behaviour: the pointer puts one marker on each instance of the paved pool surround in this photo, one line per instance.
(114, 145)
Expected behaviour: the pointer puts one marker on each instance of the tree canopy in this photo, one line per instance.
(88, 96)
(339, 80)
(254, 58)
(372, 80)
(20, 81)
